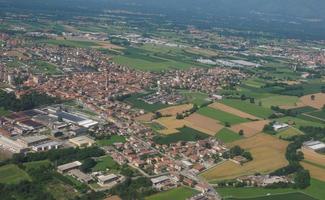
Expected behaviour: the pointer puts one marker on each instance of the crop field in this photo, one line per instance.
(289, 133)
(317, 103)
(203, 124)
(279, 100)
(250, 128)
(298, 122)
(72, 43)
(184, 134)
(197, 98)
(171, 125)
(11, 174)
(316, 171)
(156, 58)
(315, 191)
(175, 109)
(313, 156)
(227, 136)
(255, 82)
(145, 118)
(234, 111)
(290, 196)
(318, 114)
(137, 103)
(181, 193)
(221, 116)
(249, 108)
(268, 155)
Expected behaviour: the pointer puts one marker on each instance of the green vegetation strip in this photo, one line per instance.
(181, 193)
(12, 174)
(227, 136)
(221, 116)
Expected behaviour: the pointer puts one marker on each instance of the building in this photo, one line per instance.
(314, 146)
(80, 176)
(33, 140)
(69, 166)
(280, 126)
(106, 179)
(82, 141)
(46, 146)
(160, 182)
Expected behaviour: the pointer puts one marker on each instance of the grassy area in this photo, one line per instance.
(185, 134)
(136, 102)
(279, 100)
(221, 116)
(72, 43)
(111, 141)
(255, 82)
(319, 114)
(157, 58)
(248, 107)
(315, 190)
(11, 174)
(45, 68)
(61, 191)
(197, 98)
(288, 133)
(156, 126)
(298, 122)
(227, 136)
(290, 196)
(4, 112)
(181, 193)
(105, 163)
(37, 164)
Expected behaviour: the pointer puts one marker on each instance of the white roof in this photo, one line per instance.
(107, 177)
(317, 146)
(159, 179)
(81, 140)
(69, 165)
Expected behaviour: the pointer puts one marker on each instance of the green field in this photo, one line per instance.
(227, 136)
(289, 133)
(279, 100)
(255, 82)
(105, 163)
(156, 126)
(11, 174)
(184, 134)
(43, 67)
(71, 43)
(36, 164)
(318, 114)
(248, 107)
(157, 58)
(197, 98)
(4, 112)
(181, 193)
(61, 191)
(221, 116)
(316, 190)
(298, 122)
(111, 141)
(137, 103)
(290, 196)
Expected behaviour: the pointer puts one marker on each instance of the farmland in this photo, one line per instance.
(227, 136)
(279, 100)
(318, 101)
(232, 110)
(197, 98)
(318, 114)
(181, 193)
(137, 103)
(105, 163)
(268, 155)
(204, 124)
(11, 174)
(289, 133)
(250, 128)
(113, 139)
(184, 134)
(175, 109)
(221, 116)
(314, 191)
(249, 108)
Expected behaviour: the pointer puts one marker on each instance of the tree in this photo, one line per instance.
(227, 124)
(241, 132)
(302, 179)
(87, 165)
(179, 116)
(252, 100)
(312, 97)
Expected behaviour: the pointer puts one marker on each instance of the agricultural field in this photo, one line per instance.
(105, 163)
(315, 163)
(204, 124)
(289, 133)
(298, 122)
(171, 125)
(157, 58)
(11, 174)
(248, 107)
(234, 111)
(255, 82)
(227, 136)
(318, 101)
(250, 128)
(221, 116)
(71, 43)
(318, 115)
(175, 109)
(110, 141)
(184, 134)
(180, 193)
(279, 100)
(137, 103)
(197, 98)
(315, 191)
(145, 118)
(268, 155)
